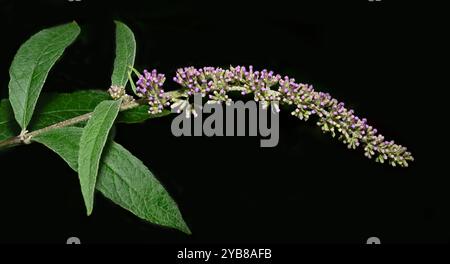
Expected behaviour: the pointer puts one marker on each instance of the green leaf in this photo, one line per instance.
(122, 178)
(64, 141)
(92, 142)
(8, 125)
(125, 54)
(31, 66)
(139, 190)
(139, 115)
(56, 107)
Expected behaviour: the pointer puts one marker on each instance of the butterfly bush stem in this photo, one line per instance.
(269, 89)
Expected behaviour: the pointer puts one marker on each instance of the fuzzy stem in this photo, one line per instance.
(10, 142)
(25, 137)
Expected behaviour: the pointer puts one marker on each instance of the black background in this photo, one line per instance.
(308, 189)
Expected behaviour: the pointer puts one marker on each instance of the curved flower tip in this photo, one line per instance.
(335, 118)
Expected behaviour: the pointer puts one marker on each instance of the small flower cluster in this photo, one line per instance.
(149, 85)
(204, 81)
(257, 82)
(118, 92)
(216, 82)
